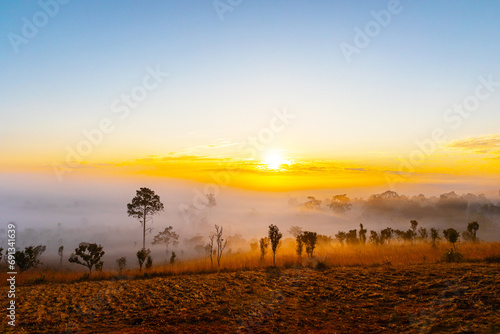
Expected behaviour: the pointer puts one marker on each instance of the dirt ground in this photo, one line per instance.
(433, 298)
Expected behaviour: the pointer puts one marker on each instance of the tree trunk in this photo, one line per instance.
(144, 231)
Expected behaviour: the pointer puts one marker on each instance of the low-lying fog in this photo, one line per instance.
(50, 213)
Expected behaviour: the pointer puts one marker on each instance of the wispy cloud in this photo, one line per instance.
(482, 144)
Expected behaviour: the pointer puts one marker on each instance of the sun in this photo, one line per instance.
(274, 161)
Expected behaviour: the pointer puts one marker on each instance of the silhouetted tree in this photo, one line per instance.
(167, 237)
(299, 245)
(362, 234)
(374, 238)
(1, 255)
(142, 255)
(264, 244)
(451, 235)
(221, 243)
(172, 258)
(60, 251)
(472, 228)
(275, 237)
(340, 203)
(386, 234)
(423, 233)
(352, 237)
(309, 239)
(143, 206)
(341, 237)
(149, 262)
(434, 236)
(88, 255)
(29, 258)
(122, 263)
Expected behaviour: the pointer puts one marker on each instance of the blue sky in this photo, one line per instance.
(227, 76)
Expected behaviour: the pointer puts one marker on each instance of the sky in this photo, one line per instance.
(280, 95)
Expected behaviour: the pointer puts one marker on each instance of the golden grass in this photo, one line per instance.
(331, 254)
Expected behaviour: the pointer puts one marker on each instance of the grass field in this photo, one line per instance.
(389, 289)
(331, 254)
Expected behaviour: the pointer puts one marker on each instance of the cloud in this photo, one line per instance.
(482, 144)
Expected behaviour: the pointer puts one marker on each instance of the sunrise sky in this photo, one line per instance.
(279, 95)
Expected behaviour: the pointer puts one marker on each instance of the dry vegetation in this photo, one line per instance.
(389, 289)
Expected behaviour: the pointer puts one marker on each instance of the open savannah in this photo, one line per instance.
(249, 166)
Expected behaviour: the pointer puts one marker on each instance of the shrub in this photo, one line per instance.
(142, 255)
(452, 256)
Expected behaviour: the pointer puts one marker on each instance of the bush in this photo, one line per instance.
(321, 265)
(452, 256)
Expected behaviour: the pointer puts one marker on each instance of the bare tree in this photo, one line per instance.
(221, 243)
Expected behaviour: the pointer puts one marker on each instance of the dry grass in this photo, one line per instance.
(430, 298)
(330, 254)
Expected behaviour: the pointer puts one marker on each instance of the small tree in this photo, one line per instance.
(264, 244)
(144, 205)
(172, 258)
(1, 255)
(167, 237)
(149, 262)
(310, 239)
(300, 245)
(341, 237)
(275, 237)
(375, 238)
(60, 251)
(434, 236)
(295, 231)
(472, 228)
(88, 255)
(386, 234)
(142, 255)
(352, 237)
(451, 235)
(29, 258)
(362, 234)
(221, 243)
(423, 233)
(122, 263)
